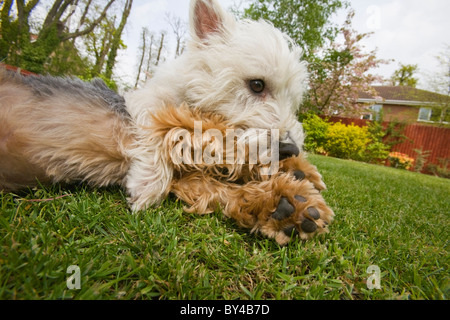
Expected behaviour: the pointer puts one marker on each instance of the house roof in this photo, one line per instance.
(403, 95)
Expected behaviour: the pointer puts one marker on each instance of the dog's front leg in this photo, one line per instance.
(281, 207)
(148, 179)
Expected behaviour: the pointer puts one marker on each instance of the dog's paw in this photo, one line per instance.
(300, 211)
(298, 219)
(301, 169)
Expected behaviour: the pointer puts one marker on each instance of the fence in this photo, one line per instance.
(428, 138)
(18, 70)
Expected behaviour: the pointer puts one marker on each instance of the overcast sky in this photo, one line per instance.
(409, 31)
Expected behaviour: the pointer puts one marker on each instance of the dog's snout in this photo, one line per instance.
(288, 150)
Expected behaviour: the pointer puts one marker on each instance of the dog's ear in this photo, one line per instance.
(206, 18)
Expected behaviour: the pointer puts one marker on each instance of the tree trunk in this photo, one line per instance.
(161, 45)
(116, 40)
(144, 32)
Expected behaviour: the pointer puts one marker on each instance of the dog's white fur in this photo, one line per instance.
(213, 74)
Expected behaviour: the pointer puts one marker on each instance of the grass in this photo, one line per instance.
(394, 219)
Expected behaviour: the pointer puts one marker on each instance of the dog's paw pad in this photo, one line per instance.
(300, 198)
(291, 231)
(284, 210)
(299, 175)
(308, 226)
(295, 211)
(313, 213)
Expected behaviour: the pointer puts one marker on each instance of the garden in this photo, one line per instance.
(372, 143)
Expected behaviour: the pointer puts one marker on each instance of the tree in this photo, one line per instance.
(116, 41)
(341, 74)
(151, 51)
(29, 46)
(305, 21)
(160, 48)
(404, 76)
(52, 45)
(179, 31)
(440, 82)
(143, 49)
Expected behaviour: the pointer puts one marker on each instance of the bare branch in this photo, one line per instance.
(31, 5)
(179, 30)
(50, 18)
(71, 12)
(161, 45)
(144, 45)
(91, 27)
(83, 16)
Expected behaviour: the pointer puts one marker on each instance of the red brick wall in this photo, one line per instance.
(400, 113)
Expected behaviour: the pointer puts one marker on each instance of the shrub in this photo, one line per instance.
(377, 150)
(441, 170)
(316, 130)
(347, 141)
(421, 159)
(394, 134)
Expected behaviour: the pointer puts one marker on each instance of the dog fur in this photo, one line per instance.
(54, 129)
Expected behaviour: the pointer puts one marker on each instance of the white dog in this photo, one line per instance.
(247, 71)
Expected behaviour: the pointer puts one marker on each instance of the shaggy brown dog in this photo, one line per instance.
(245, 76)
(76, 136)
(60, 130)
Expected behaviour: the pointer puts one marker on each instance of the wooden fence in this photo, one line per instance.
(436, 140)
(433, 139)
(18, 70)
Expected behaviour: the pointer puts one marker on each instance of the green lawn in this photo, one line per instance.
(396, 220)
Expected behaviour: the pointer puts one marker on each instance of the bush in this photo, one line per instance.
(316, 130)
(421, 159)
(377, 150)
(347, 141)
(441, 170)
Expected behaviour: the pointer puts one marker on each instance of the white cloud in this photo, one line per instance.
(149, 10)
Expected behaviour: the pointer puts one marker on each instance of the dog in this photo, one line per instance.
(234, 76)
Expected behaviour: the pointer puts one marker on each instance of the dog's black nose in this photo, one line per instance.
(288, 150)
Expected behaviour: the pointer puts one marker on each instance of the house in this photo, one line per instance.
(406, 104)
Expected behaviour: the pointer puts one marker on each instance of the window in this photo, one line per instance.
(376, 109)
(425, 114)
(440, 115)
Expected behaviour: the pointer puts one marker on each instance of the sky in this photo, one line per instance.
(408, 31)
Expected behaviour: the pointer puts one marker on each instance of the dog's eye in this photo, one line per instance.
(257, 86)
